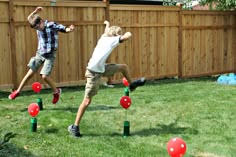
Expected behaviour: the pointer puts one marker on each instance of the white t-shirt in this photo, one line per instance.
(101, 52)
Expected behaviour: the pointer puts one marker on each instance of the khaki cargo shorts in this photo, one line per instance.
(47, 61)
(93, 79)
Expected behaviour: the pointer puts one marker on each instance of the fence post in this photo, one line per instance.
(107, 12)
(180, 72)
(13, 42)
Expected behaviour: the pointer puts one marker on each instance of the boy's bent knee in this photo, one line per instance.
(123, 66)
(44, 76)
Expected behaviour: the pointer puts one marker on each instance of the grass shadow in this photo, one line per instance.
(89, 109)
(166, 129)
(70, 109)
(180, 80)
(101, 107)
(115, 134)
(161, 129)
(24, 110)
(8, 149)
(51, 130)
(4, 95)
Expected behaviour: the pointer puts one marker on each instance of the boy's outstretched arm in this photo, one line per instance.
(126, 36)
(36, 11)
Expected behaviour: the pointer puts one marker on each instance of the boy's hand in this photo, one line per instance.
(106, 23)
(70, 28)
(39, 9)
(107, 26)
(127, 34)
(36, 11)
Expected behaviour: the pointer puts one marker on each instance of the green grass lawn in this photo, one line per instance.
(199, 111)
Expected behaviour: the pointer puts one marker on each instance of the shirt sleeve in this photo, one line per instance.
(120, 41)
(57, 27)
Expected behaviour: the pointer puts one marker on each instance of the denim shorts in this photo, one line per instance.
(47, 61)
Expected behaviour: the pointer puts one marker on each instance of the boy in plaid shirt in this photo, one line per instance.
(47, 33)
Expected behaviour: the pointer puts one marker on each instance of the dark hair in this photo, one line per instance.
(34, 21)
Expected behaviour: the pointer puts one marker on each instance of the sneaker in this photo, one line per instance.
(136, 83)
(74, 130)
(108, 85)
(13, 95)
(56, 96)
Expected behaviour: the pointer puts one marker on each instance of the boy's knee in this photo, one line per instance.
(123, 67)
(44, 77)
(87, 102)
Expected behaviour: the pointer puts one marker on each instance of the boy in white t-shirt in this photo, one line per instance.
(97, 69)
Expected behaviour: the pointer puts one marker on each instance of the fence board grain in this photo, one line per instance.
(166, 41)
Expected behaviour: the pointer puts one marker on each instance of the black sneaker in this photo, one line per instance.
(74, 130)
(136, 83)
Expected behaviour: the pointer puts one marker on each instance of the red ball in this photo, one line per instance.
(125, 82)
(33, 109)
(36, 86)
(125, 102)
(176, 147)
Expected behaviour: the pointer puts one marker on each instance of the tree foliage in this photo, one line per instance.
(213, 4)
(220, 4)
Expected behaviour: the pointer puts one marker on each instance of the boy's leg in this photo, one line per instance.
(109, 80)
(83, 106)
(56, 91)
(74, 128)
(91, 89)
(28, 75)
(45, 72)
(34, 63)
(111, 69)
(50, 82)
(123, 68)
(136, 83)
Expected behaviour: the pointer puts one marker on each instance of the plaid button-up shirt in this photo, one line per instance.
(48, 38)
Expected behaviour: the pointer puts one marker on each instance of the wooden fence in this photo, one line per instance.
(166, 41)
